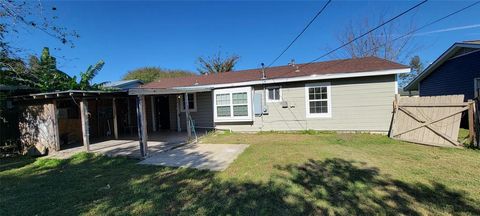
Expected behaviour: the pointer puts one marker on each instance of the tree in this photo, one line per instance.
(46, 77)
(416, 65)
(19, 15)
(150, 74)
(86, 77)
(217, 64)
(11, 69)
(42, 74)
(383, 43)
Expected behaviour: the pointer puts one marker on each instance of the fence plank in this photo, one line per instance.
(428, 120)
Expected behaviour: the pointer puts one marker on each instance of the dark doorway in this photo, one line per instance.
(163, 112)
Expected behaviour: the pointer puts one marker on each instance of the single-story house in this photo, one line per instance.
(339, 95)
(456, 71)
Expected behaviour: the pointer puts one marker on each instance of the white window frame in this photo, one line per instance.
(475, 93)
(182, 103)
(232, 118)
(279, 94)
(329, 100)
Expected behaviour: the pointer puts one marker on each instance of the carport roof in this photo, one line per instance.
(71, 93)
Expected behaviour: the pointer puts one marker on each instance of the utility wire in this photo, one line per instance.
(366, 33)
(437, 20)
(300, 34)
(419, 28)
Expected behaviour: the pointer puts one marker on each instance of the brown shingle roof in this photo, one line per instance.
(366, 64)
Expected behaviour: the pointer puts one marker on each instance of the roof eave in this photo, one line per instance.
(413, 85)
(298, 79)
(68, 93)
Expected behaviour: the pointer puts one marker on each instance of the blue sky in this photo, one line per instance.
(128, 35)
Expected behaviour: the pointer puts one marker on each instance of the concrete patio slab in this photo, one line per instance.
(214, 157)
(128, 146)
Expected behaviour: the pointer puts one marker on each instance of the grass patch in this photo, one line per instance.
(279, 174)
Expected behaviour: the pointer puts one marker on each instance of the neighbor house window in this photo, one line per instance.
(274, 94)
(232, 105)
(318, 100)
(192, 102)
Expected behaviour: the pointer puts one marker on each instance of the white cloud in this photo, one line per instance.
(448, 29)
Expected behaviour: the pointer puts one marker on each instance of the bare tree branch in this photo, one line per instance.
(217, 64)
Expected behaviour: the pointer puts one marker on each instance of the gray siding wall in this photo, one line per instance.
(203, 117)
(358, 104)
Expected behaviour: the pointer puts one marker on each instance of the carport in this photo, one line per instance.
(61, 120)
(141, 107)
(65, 122)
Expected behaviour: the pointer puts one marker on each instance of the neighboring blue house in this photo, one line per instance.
(124, 84)
(456, 71)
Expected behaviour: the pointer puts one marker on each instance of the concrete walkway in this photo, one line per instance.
(128, 146)
(215, 157)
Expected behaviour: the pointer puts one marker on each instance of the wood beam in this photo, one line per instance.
(85, 127)
(129, 114)
(471, 122)
(56, 131)
(154, 117)
(142, 125)
(179, 127)
(187, 116)
(115, 119)
(434, 105)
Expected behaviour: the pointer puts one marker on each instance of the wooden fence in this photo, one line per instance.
(431, 120)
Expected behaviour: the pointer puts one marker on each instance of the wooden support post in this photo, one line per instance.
(179, 127)
(154, 116)
(471, 122)
(56, 131)
(395, 110)
(84, 119)
(115, 119)
(187, 116)
(142, 126)
(129, 114)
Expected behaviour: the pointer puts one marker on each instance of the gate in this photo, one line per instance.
(429, 120)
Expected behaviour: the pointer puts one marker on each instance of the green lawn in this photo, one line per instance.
(279, 174)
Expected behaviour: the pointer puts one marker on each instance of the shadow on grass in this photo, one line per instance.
(15, 162)
(94, 185)
(345, 188)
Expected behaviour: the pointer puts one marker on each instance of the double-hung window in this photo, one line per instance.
(192, 102)
(274, 94)
(233, 105)
(318, 100)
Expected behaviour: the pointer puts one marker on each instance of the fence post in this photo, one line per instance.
(476, 101)
(471, 123)
(395, 110)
